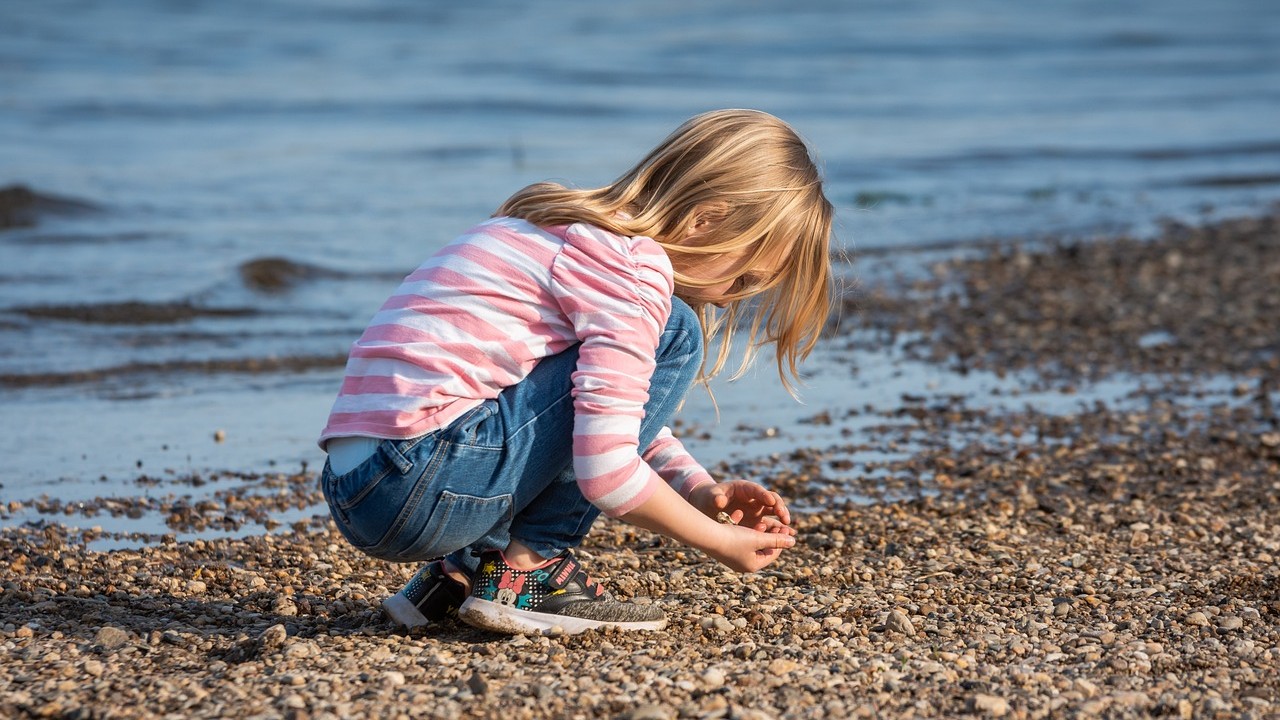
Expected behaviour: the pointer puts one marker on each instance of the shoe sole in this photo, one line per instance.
(489, 615)
(403, 612)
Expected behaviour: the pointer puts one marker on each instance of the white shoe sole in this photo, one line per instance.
(489, 615)
(403, 612)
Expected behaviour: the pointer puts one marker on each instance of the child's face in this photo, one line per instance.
(726, 265)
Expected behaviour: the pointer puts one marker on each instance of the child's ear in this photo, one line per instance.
(706, 217)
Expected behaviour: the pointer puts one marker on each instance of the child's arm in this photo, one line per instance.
(673, 463)
(745, 502)
(741, 548)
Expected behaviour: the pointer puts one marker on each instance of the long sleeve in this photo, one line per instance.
(668, 457)
(616, 293)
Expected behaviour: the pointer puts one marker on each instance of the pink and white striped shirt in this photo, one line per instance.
(477, 317)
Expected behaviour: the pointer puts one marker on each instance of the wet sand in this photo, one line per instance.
(1118, 560)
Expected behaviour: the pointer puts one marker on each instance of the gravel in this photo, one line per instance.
(1115, 561)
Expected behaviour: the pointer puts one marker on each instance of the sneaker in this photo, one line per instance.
(430, 596)
(556, 597)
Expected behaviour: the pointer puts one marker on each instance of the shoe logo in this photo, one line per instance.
(563, 574)
(510, 586)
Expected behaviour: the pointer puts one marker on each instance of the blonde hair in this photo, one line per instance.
(726, 181)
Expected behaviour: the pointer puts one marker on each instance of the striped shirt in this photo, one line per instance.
(478, 316)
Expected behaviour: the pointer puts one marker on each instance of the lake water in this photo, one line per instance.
(262, 173)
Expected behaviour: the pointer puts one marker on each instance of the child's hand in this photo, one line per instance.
(748, 504)
(748, 550)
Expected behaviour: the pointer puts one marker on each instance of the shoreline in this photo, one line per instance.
(1115, 559)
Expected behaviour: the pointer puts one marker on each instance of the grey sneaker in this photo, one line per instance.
(430, 596)
(556, 597)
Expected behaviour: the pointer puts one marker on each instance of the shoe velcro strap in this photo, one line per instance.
(564, 572)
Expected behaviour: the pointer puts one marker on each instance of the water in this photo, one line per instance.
(264, 172)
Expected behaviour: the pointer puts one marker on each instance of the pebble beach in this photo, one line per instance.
(1117, 560)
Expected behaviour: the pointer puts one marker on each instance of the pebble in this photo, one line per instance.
(1084, 687)
(716, 622)
(651, 712)
(783, 666)
(273, 638)
(898, 622)
(110, 637)
(990, 705)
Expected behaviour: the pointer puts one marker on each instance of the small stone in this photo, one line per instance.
(219, 435)
(1093, 708)
(1085, 687)
(651, 712)
(899, 622)
(990, 704)
(782, 666)
(24, 632)
(294, 701)
(273, 638)
(284, 607)
(110, 637)
(716, 622)
(1131, 698)
(1197, 618)
(713, 678)
(1230, 622)
(396, 678)
(196, 587)
(93, 667)
(477, 684)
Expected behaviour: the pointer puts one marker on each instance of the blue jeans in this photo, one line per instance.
(503, 470)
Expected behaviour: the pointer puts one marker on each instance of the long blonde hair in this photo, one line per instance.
(726, 181)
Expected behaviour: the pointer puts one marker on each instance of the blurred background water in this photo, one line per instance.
(252, 178)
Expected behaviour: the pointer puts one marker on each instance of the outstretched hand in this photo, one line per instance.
(748, 550)
(762, 532)
(746, 503)
(761, 527)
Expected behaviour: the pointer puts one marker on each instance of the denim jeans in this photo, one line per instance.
(503, 470)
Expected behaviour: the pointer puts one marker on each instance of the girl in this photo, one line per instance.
(521, 381)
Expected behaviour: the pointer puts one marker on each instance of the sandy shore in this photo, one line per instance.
(1115, 561)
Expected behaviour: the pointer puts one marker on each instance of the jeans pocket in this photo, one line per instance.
(369, 503)
(479, 428)
(346, 491)
(456, 521)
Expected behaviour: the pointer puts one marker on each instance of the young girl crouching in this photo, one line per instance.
(522, 380)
